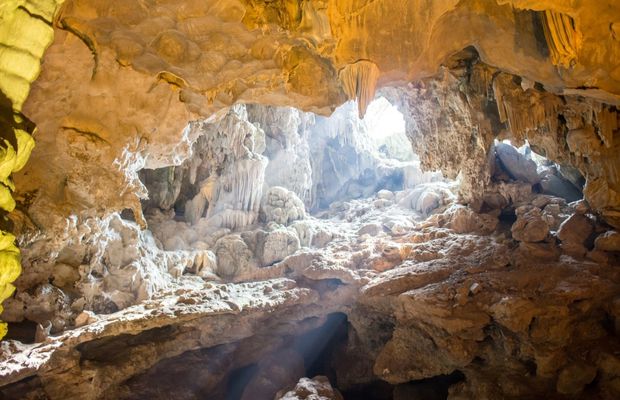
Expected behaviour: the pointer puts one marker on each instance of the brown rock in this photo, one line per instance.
(530, 226)
(608, 241)
(574, 233)
(574, 377)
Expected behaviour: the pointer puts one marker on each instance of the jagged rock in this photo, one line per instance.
(531, 226)
(64, 276)
(464, 220)
(205, 264)
(282, 206)
(120, 83)
(287, 145)
(317, 388)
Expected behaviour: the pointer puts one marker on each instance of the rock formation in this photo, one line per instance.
(207, 215)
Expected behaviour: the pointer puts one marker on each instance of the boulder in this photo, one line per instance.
(574, 233)
(517, 166)
(427, 197)
(608, 241)
(560, 187)
(277, 245)
(530, 225)
(233, 256)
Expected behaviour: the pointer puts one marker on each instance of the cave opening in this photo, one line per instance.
(264, 182)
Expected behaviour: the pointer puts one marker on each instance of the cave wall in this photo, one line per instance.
(122, 80)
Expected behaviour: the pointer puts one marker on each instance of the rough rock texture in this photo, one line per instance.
(181, 62)
(282, 206)
(317, 388)
(25, 33)
(530, 226)
(511, 293)
(445, 299)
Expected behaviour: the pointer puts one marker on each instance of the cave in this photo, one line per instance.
(308, 199)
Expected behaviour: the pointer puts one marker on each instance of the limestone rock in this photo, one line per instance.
(516, 164)
(556, 186)
(530, 225)
(277, 244)
(608, 241)
(574, 233)
(317, 388)
(282, 206)
(539, 251)
(85, 318)
(425, 198)
(233, 256)
(205, 264)
(464, 220)
(423, 298)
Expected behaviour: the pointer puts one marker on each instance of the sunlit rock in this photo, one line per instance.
(206, 215)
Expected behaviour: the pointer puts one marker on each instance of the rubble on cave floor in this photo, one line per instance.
(457, 288)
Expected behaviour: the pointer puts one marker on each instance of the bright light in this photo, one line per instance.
(386, 128)
(383, 119)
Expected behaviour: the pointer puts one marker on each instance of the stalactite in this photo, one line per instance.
(237, 194)
(359, 80)
(562, 37)
(541, 110)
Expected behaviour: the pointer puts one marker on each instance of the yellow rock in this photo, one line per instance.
(25, 32)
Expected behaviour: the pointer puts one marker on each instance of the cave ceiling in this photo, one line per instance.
(124, 78)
